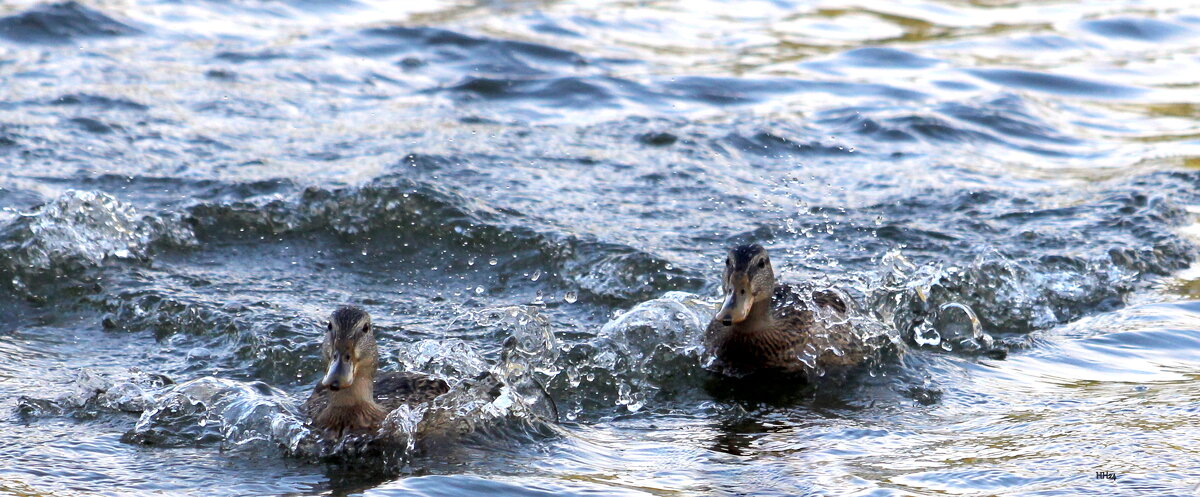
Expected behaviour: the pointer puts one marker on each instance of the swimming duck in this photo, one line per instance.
(351, 397)
(764, 327)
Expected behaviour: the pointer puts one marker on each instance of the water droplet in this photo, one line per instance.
(570, 297)
(478, 289)
(493, 261)
(536, 274)
(471, 261)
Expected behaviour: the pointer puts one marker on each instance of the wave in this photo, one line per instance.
(61, 23)
(60, 241)
(390, 212)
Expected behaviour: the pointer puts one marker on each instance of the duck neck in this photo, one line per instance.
(353, 407)
(362, 391)
(758, 318)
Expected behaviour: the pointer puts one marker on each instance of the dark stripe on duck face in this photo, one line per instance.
(743, 256)
(346, 320)
(348, 326)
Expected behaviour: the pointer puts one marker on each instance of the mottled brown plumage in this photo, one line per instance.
(764, 327)
(351, 397)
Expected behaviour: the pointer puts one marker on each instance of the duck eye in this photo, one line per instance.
(329, 325)
(762, 263)
(728, 261)
(743, 291)
(366, 328)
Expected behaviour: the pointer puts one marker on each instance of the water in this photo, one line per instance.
(543, 191)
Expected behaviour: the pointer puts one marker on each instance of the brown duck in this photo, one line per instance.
(764, 327)
(351, 397)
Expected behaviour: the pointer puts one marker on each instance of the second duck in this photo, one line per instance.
(351, 397)
(790, 329)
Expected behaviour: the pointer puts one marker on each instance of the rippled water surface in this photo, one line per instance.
(1009, 188)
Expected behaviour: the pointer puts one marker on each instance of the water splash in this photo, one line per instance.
(237, 416)
(92, 392)
(960, 308)
(78, 231)
(502, 401)
(652, 349)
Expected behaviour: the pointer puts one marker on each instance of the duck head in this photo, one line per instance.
(749, 284)
(350, 351)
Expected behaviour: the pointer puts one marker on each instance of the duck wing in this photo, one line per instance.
(818, 323)
(391, 391)
(405, 388)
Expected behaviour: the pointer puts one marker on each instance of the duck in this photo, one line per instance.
(764, 327)
(352, 397)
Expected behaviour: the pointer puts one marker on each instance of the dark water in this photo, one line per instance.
(190, 187)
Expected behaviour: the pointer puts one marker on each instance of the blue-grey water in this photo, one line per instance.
(1010, 188)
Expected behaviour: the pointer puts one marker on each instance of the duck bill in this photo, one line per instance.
(340, 375)
(735, 309)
